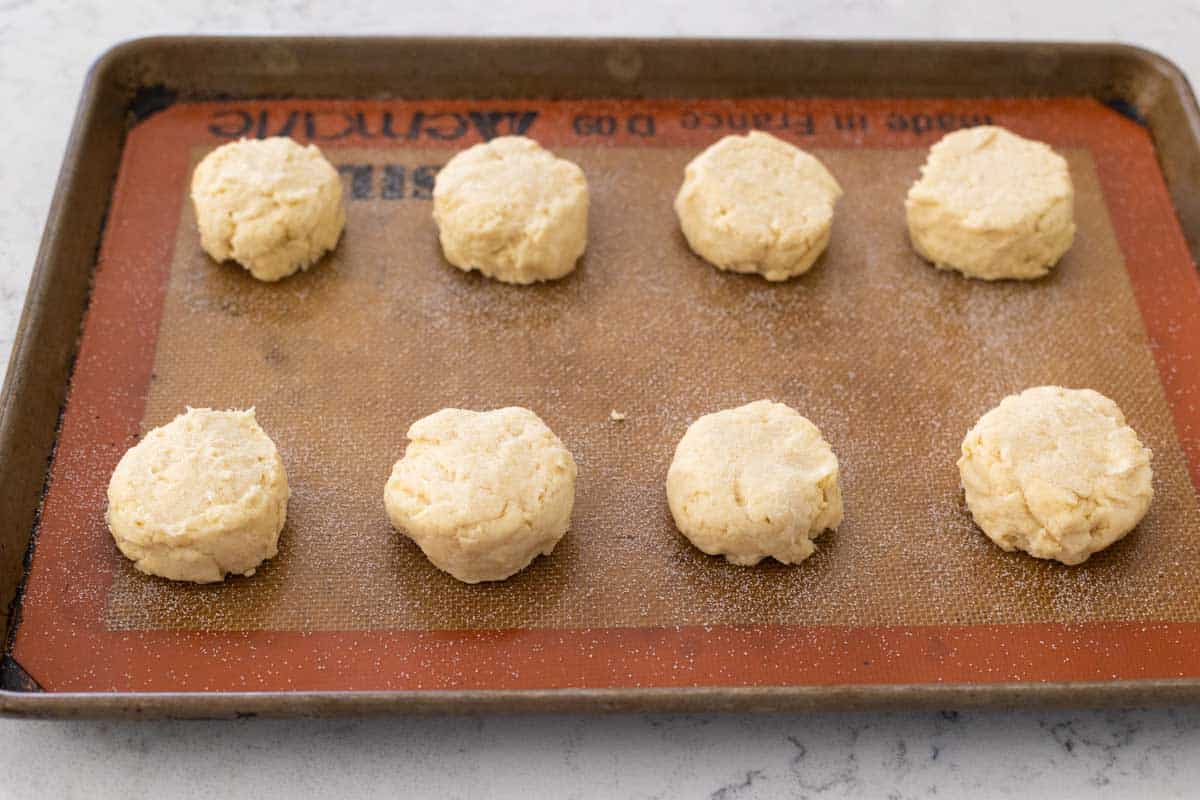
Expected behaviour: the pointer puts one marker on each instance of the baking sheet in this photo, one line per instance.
(892, 359)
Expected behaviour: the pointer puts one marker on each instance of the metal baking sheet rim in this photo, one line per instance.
(44, 348)
(233, 705)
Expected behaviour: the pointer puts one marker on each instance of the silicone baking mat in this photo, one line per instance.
(892, 359)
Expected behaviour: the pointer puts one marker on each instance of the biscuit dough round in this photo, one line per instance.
(269, 204)
(1056, 473)
(512, 210)
(755, 203)
(200, 497)
(482, 493)
(752, 482)
(992, 205)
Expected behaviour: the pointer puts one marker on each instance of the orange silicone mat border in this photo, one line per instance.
(62, 642)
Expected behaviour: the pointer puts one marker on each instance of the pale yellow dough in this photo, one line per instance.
(755, 203)
(200, 497)
(754, 481)
(511, 210)
(1056, 473)
(482, 493)
(269, 204)
(992, 205)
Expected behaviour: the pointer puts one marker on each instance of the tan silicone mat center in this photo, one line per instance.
(892, 359)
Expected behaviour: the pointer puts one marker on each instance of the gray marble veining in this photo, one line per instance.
(1058, 754)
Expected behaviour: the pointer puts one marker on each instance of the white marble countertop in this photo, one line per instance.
(45, 49)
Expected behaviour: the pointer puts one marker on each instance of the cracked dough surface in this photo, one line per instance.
(992, 205)
(512, 210)
(754, 481)
(1056, 473)
(482, 493)
(755, 203)
(200, 497)
(269, 204)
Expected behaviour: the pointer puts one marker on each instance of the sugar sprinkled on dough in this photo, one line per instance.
(482, 493)
(512, 210)
(992, 205)
(754, 481)
(269, 204)
(756, 203)
(1055, 472)
(200, 497)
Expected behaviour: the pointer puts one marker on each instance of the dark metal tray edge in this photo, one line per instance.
(139, 77)
(231, 705)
